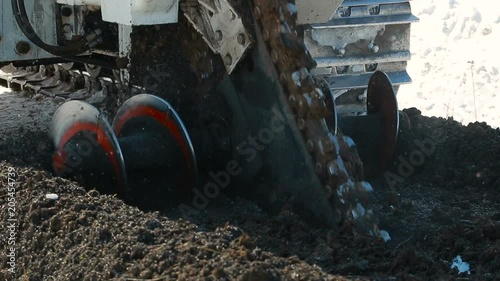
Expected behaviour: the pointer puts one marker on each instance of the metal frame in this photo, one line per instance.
(222, 28)
(316, 11)
(133, 12)
(42, 14)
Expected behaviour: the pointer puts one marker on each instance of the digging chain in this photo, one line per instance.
(337, 162)
(336, 159)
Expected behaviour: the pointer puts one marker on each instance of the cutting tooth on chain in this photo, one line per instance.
(292, 9)
(310, 145)
(314, 95)
(331, 169)
(302, 106)
(283, 79)
(366, 186)
(328, 146)
(292, 101)
(257, 12)
(274, 56)
(328, 191)
(296, 78)
(301, 123)
(266, 35)
(319, 168)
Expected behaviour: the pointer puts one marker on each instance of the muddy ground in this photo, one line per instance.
(439, 200)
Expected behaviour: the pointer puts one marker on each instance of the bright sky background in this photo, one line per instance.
(455, 53)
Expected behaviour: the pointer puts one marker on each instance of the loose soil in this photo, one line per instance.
(440, 199)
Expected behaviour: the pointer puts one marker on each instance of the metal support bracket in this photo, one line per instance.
(221, 27)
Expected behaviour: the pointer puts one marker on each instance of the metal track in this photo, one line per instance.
(59, 81)
(362, 37)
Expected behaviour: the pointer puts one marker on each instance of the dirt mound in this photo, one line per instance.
(86, 236)
(437, 207)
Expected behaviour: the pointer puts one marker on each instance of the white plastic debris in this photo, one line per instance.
(385, 235)
(51, 196)
(460, 265)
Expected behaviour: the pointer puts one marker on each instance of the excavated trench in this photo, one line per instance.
(439, 200)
